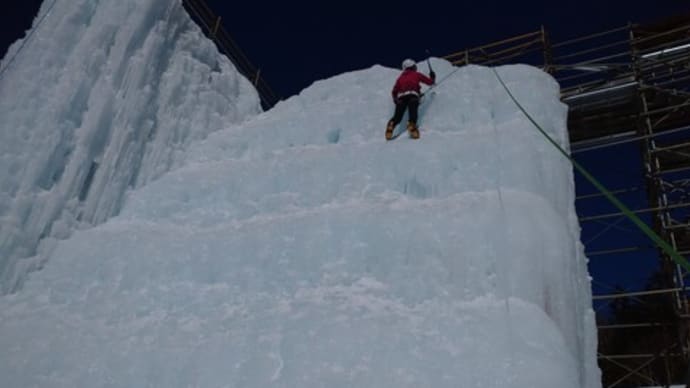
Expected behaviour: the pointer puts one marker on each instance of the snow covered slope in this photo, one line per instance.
(300, 249)
(103, 97)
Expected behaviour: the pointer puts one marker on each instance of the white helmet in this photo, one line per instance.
(408, 63)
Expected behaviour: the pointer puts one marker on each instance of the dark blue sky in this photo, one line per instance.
(14, 20)
(296, 43)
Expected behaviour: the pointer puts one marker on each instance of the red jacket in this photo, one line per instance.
(408, 83)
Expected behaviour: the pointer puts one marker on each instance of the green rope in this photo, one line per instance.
(665, 246)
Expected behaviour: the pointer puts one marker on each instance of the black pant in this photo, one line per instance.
(410, 102)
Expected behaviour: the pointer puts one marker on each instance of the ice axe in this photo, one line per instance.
(427, 60)
(428, 63)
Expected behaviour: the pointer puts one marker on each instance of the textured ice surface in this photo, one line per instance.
(300, 249)
(104, 97)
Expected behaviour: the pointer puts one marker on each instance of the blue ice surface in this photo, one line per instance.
(103, 98)
(292, 248)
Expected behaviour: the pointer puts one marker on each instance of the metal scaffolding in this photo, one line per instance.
(212, 25)
(627, 87)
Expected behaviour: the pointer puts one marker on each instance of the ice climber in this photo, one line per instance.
(406, 95)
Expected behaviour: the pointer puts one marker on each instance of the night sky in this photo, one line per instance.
(295, 44)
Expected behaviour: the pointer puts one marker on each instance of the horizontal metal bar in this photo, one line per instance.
(565, 79)
(513, 48)
(595, 60)
(637, 293)
(600, 80)
(630, 140)
(596, 35)
(491, 61)
(611, 251)
(493, 44)
(663, 66)
(671, 63)
(596, 195)
(600, 70)
(588, 51)
(672, 60)
(608, 141)
(672, 82)
(633, 356)
(671, 147)
(674, 227)
(665, 48)
(604, 66)
(633, 325)
(666, 109)
(676, 80)
(623, 77)
(600, 91)
(648, 210)
(655, 36)
(672, 170)
(509, 40)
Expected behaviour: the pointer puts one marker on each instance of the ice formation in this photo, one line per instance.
(300, 249)
(104, 96)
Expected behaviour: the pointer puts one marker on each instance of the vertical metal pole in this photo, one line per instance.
(644, 128)
(256, 79)
(215, 28)
(664, 219)
(657, 192)
(546, 46)
(667, 355)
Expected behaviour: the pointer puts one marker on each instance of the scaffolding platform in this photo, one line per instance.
(628, 86)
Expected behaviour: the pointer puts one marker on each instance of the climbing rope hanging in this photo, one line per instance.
(445, 77)
(665, 246)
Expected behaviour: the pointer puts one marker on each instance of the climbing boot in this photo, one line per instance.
(413, 130)
(389, 130)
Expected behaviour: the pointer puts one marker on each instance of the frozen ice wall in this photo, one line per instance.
(300, 249)
(104, 96)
